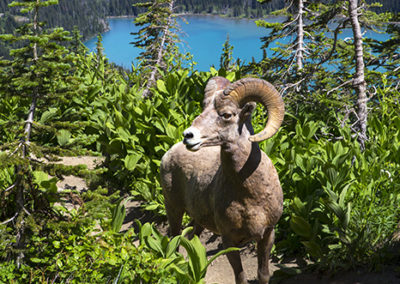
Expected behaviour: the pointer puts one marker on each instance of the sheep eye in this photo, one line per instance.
(226, 115)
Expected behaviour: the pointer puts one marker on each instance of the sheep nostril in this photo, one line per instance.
(188, 135)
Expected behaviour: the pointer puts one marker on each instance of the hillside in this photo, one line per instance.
(90, 16)
(87, 191)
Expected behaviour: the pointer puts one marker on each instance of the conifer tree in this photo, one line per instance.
(296, 60)
(388, 52)
(357, 15)
(226, 60)
(159, 40)
(38, 75)
(77, 45)
(309, 23)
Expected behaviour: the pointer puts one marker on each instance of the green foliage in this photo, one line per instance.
(134, 133)
(340, 202)
(39, 84)
(119, 214)
(198, 262)
(226, 59)
(158, 37)
(87, 255)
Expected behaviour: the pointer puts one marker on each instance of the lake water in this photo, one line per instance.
(203, 37)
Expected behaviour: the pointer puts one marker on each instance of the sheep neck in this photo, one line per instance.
(240, 158)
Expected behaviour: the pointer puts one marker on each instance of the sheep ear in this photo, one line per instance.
(247, 111)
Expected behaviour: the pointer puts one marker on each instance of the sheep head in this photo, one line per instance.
(228, 107)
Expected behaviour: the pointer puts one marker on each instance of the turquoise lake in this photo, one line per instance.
(203, 37)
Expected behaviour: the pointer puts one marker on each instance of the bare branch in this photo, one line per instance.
(20, 144)
(10, 187)
(338, 87)
(10, 220)
(292, 85)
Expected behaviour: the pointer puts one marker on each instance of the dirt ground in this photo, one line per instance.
(220, 271)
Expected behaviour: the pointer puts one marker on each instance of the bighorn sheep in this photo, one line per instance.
(219, 175)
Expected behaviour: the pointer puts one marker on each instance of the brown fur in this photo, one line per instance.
(228, 185)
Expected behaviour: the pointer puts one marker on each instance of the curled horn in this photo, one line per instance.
(214, 85)
(257, 90)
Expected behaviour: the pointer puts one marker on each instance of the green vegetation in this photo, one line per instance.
(90, 16)
(341, 199)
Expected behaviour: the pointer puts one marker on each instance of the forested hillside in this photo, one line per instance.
(335, 148)
(90, 15)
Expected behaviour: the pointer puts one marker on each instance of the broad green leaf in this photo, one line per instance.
(118, 216)
(347, 216)
(40, 176)
(36, 260)
(63, 137)
(196, 256)
(161, 86)
(123, 134)
(154, 245)
(331, 175)
(48, 115)
(335, 208)
(59, 263)
(131, 160)
(172, 246)
(301, 227)
(313, 248)
(299, 206)
(230, 76)
(145, 231)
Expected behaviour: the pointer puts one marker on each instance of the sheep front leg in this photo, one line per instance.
(174, 216)
(264, 247)
(236, 263)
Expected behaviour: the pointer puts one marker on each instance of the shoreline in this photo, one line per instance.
(213, 15)
(121, 17)
(196, 14)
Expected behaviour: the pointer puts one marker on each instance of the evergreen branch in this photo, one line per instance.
(152, 79)
(335, 36)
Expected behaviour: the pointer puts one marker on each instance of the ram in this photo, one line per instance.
(219, 175)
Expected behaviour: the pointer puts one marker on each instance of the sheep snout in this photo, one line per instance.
(191, 139)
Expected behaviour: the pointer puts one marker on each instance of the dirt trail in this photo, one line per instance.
(73, 181)
(220, 271)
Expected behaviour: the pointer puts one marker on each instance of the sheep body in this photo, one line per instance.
(219, 175)
(194, 182)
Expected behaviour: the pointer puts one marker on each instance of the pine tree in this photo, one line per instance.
(159, 40)
(303, 60)
(357, 15)
(300, 52)
(226, 60)
(77, 45)
(388, 52)
(38, 75)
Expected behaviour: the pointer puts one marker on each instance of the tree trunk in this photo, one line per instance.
(20, 196)
(152, 79)
(300, 37)
(359, 78)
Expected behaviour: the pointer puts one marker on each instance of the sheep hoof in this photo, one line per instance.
(263, 278)
(241, 279)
